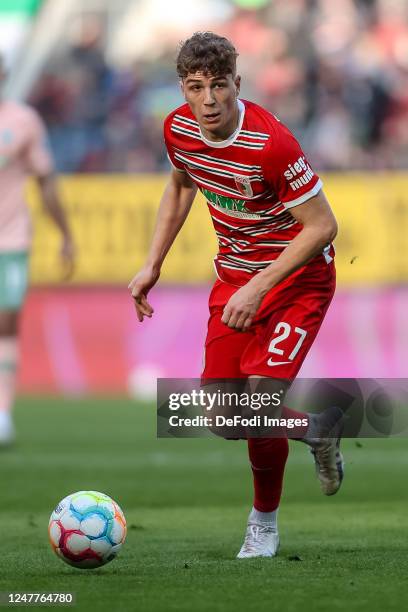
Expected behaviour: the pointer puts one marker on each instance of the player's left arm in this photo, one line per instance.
(286, 169)
(319, 229)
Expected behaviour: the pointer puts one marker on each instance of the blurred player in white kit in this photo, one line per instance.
(23, 153)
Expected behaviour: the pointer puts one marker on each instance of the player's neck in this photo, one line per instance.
(226, 131)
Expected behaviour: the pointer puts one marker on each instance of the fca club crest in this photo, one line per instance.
(243, 185)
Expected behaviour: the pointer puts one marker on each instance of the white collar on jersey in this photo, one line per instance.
(220, 144)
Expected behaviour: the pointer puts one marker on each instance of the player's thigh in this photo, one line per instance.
(223, 349)
(13, 280)
(284, 338)
(222, 374)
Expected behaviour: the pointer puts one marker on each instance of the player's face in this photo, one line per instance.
(213, 102)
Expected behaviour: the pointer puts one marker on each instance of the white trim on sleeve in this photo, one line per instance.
(175, 167)
(305, 197)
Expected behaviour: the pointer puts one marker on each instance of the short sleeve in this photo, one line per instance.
(287, 171)
(38, 157)
(177, 165)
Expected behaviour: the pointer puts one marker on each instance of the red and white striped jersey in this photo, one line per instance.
(250, 182)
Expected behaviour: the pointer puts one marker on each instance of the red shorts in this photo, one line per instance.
(282, 332)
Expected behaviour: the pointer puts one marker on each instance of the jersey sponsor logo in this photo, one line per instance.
(229, 206)
(235, 213)
(300, 171)
(243, 184)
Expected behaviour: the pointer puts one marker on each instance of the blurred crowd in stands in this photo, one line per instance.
(335, 71)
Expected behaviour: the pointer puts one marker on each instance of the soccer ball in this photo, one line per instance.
(87, 529)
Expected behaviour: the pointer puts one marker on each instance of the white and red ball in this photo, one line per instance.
(87, 529)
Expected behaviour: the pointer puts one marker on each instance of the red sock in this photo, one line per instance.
(268, 459)
(299, 431)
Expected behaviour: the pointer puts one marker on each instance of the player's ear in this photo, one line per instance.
(237, 82)
(182, 88)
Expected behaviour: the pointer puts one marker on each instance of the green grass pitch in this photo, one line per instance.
(186, 503)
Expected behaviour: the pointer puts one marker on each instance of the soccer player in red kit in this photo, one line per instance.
(275, 267)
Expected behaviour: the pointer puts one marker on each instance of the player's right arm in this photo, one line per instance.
(174, 207)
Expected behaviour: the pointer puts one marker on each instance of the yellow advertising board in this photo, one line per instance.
(112, 219)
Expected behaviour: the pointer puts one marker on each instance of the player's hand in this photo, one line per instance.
(140, 286)
(68, 255)
(242, 307)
